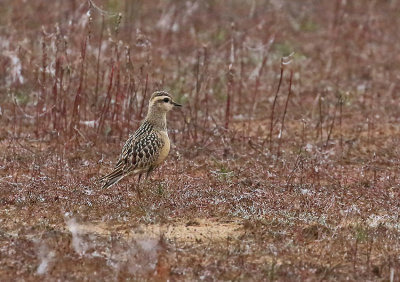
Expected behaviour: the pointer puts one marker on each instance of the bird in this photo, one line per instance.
(148, 146)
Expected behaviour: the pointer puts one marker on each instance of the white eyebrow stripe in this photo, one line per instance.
(159, 98)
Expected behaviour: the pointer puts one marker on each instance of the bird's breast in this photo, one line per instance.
(164, 149)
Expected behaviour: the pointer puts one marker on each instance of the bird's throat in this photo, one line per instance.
(157, 119)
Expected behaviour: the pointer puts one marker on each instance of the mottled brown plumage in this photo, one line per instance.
(148, 147)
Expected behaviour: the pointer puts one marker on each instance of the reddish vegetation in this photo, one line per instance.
(283, 167)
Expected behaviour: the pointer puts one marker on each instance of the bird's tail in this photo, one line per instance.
(112, 178)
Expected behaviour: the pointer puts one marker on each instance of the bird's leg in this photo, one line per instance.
(127, 186)
(138, 187)
(148, 172)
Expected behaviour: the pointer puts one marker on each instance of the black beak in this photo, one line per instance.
(176, 104)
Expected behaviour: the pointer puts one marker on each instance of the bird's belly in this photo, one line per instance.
(164, 150)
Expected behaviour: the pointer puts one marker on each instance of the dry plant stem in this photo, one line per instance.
(229, 95)
(196, 94)
(118, 100)
(271, 127)
(132, 98)
(338, 103)
(296, 166)
(55, 94)
(206, 78)
(144, 91)
(42, 96)
(203, 83)
(284, 112)
(98, 58)
(340, 122)
(319, 126)
(14, 110)
(256, 90)
(77, 101)
(257, 84)
(62, 104)
(261, 71)
(107, 102)
(240, 87)
(303, 134)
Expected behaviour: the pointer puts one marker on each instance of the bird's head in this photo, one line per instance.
(162, 101)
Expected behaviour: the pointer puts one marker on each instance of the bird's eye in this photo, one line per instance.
(166, 100)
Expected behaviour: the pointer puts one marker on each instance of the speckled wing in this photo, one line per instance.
(145, 151)
(133, 143)
(126, 150)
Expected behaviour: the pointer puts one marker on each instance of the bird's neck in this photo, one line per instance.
(158, 119)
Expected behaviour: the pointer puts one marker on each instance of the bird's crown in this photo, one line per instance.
(159, 94)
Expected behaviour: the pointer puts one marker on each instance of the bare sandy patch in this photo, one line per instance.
(199, 230)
